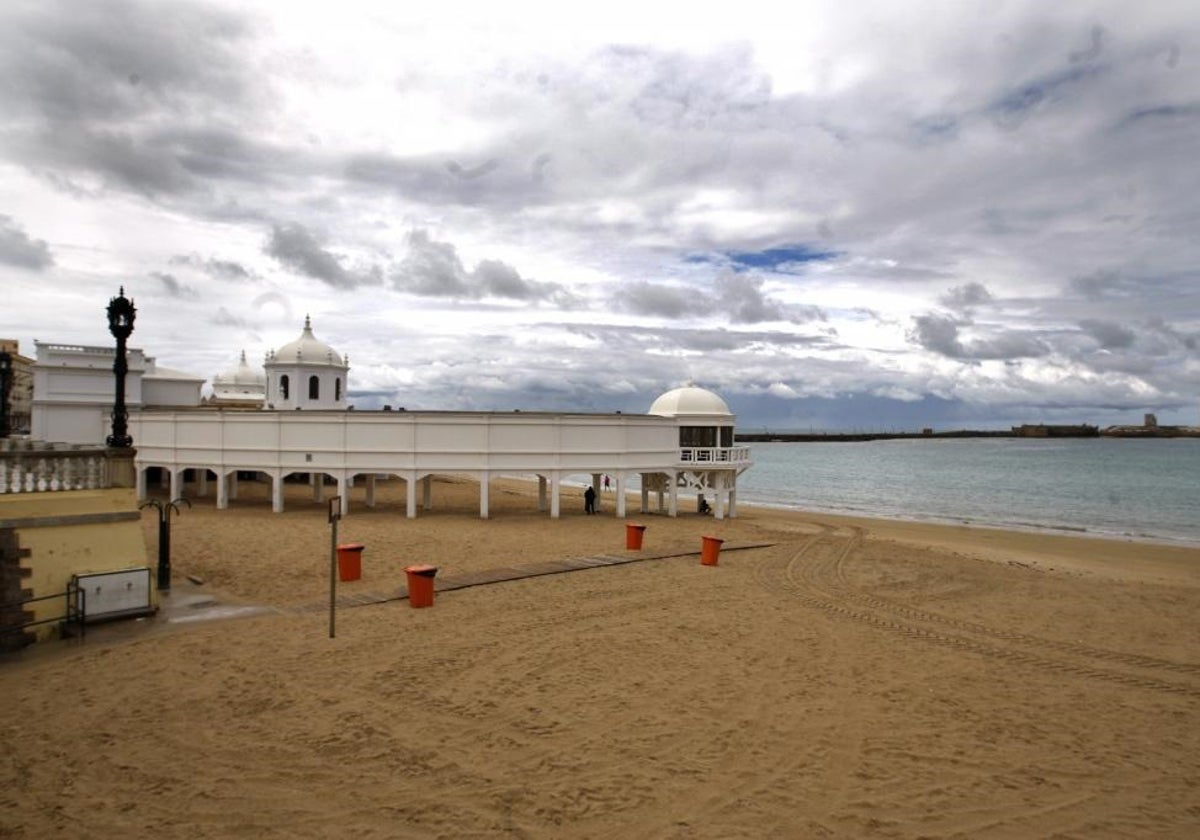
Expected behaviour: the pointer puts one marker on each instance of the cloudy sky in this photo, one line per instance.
(848, 215)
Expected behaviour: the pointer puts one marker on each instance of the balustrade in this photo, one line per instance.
(715, 455)
(36, 467)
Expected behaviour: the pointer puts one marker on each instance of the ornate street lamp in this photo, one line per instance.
(6, 378)
(120, 323)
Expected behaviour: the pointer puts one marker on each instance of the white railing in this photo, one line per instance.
(35, 467)
(715, 455)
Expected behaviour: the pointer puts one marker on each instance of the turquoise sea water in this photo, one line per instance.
(1144, 489)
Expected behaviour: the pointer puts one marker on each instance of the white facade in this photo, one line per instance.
(414, 446)
(685, 442)
(73, 390)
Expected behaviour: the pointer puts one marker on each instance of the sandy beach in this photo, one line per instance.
(831, 677)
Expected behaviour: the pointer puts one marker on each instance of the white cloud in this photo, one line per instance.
(1001, 198)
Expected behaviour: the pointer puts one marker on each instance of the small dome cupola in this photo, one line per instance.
(240, 384)
(306, 374)
(705, 421)
(690, 401)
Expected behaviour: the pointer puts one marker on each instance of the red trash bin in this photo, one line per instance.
(710, 549)
(633, 536)
(420, 585)
(349, 556)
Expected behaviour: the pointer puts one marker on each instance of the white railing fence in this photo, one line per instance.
(37, 467)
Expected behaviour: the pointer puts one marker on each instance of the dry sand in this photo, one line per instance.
(856, 678)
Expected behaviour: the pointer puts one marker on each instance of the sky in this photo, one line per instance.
(845, 216)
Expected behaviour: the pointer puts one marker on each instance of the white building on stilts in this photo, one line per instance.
(685, 443)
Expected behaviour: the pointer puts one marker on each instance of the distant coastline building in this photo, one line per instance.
(303, 425)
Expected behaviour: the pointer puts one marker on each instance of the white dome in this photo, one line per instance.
(242, 376)
(692, 401)
(306, 350)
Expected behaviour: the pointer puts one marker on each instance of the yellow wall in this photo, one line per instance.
(58, 551)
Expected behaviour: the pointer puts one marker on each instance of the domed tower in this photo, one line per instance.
(709, 463)
(306, 374)
(705, 421)
(240, 386)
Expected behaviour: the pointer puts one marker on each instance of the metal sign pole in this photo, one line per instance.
(335, 513)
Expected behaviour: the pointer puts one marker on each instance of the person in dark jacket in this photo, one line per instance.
(589, 500)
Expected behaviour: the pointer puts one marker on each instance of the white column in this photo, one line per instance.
(344, 484)
(722, 495)
(645, 494)
(222, 490)
(427, 492)
(620, 485)
(596, 490)
(317, 481)
(541, 494)
(276, 489)
(371, 490)
(139, 481)
(410, 495)
(733, 499)
(673, 498)
(176, 483)
(484, 483)
(233, 487)
(555, 501)
(202, 482)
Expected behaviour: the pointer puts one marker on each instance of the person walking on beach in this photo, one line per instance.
(606, 483)
(589, 500)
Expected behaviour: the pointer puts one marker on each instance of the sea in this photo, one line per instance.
(1143, 489)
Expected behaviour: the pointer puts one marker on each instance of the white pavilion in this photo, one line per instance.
(294, 419)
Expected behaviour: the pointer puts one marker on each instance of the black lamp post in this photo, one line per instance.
(165, 509)
(5, 388)
(120, 323)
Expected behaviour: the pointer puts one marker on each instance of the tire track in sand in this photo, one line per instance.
(815, 576)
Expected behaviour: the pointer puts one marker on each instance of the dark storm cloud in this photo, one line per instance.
(434, 269)
(966, 296)
(87, 87)
(660, 301)
(1097, 285)
(223, 269)
(19, 249)
(941, 334)
(1108, 334)
(114, 59)
(509, 178)
(224, 318)
(660, 339)
(297, 248)
(173, 287)
(737, 297)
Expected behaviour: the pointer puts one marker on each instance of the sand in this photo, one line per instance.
(849, 678)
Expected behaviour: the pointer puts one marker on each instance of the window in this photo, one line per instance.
(337, 389)
(697, 436)
(314, 388)
(283, 386)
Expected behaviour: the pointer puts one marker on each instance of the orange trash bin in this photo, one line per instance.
(349, 558)
(633, 536)
(420, 585)
(710, 549)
